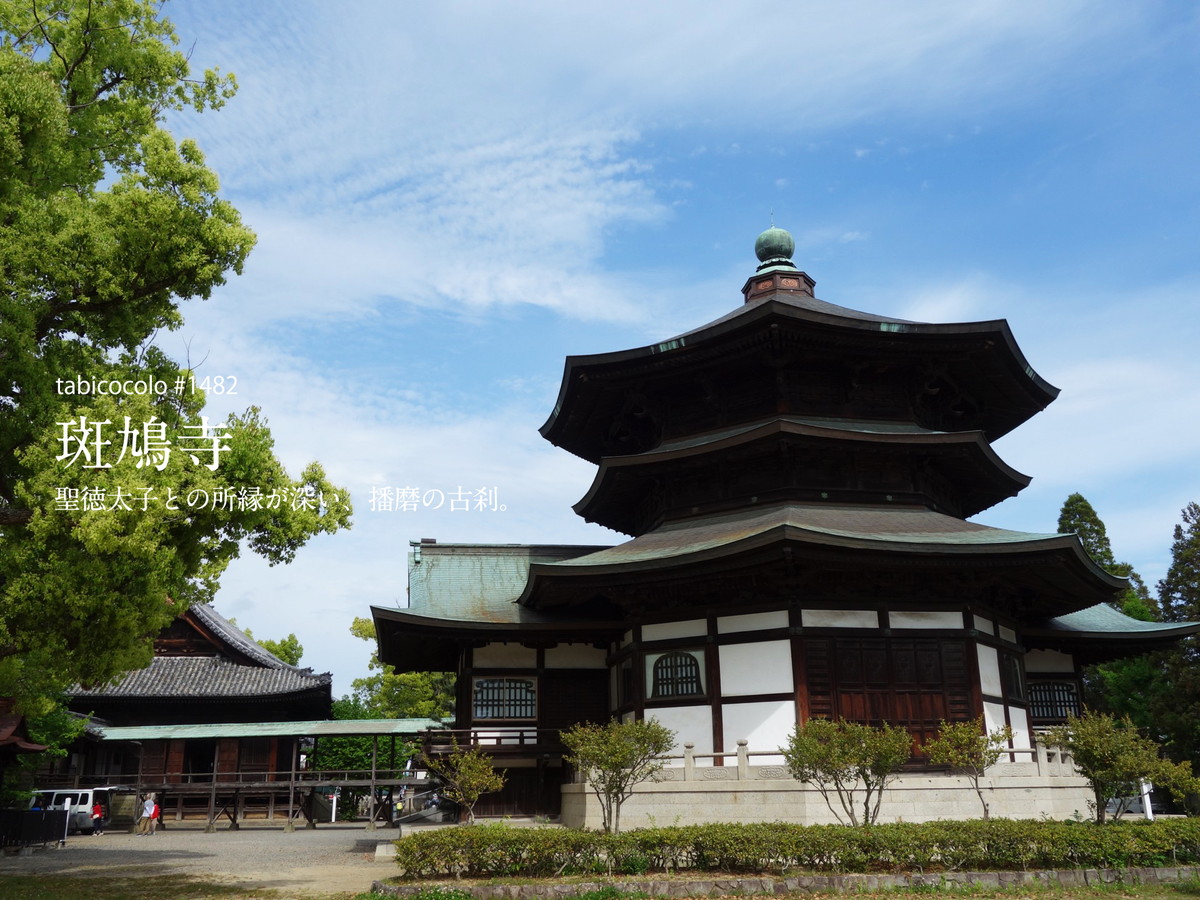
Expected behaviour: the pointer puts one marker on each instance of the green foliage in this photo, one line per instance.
(437, 892)
(841, 758)
(969, 749)
(467, 774)
(353, 753)
(288, 649)
(1078, 517)
(491, 851)
(1115, 759)
(56, 729)
(1179, 591)
(614, 757)
(401, 695)
(109, 225)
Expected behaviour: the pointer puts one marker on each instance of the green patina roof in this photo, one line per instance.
(477, 582)
(897, 526)
(319, 728)
(1103, 619)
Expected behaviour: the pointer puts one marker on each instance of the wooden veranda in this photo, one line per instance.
(233, 769)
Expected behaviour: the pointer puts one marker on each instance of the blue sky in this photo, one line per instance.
(451, 198)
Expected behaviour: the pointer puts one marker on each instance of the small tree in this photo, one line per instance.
(841, 758)
(614, 757)
(468, 775)
(1116, 759)
(968, 749)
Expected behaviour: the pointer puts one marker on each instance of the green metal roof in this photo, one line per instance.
(320, 728)
(1103, 620)
(476, 582)
(884, 526)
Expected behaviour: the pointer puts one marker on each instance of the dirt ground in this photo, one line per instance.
(330, 859)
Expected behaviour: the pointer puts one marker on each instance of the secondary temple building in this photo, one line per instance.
(795, 478)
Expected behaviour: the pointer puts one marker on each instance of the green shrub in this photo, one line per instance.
(482, 851)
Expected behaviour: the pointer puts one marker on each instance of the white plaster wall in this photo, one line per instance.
(691, 724)
(1008, 634)
(764, 725)
(993, 716)
(575, 656)
(839, 618)
(664, 631)
(505, 656)
(984, 625)
(752, 622)
(762, 668)
(920, 619)
(1049, 661)
(989, 670)
(1020, 726)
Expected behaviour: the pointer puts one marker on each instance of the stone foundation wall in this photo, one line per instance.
(854, 884)
(1030, 785)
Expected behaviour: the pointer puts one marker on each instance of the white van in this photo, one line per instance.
(79, 802)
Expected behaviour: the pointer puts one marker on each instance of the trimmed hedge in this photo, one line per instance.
(492, 850)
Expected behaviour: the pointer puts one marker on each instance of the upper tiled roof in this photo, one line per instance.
(209, 676)
(883, 526)
(245, 670)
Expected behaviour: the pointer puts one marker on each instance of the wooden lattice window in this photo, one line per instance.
(676, 674)
(1053, 701)
(504, 698)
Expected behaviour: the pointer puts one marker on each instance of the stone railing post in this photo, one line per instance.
(689, 761)
(743, 758)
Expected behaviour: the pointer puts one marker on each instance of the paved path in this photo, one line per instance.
(310, 862)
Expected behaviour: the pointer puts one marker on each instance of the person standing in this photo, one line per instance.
(155, 815)
(143, 825)
(97, 819)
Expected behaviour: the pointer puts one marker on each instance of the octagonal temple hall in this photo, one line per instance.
(795, 479)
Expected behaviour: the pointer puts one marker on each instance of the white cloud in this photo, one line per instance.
(961, 299)
(404, 160)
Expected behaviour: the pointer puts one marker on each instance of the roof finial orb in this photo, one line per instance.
(774, 246)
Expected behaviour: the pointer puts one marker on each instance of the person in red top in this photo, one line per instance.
(97, 818)
(154, 817)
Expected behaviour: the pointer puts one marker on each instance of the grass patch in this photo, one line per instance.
(1188, 890)
(142, 886)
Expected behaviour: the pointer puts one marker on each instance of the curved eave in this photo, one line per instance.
(1100, 634)
(416, 643)
(577, 370)
(1061, 556)
(1007, 480)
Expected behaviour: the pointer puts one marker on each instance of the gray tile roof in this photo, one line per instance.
(213, 676)
(311, 728)
(195, 677)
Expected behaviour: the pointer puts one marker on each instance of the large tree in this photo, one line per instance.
(1179, 591)
(1125, 686)
(1177, 713)
(119, 506)
(1079, 517)
(1160, 692)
